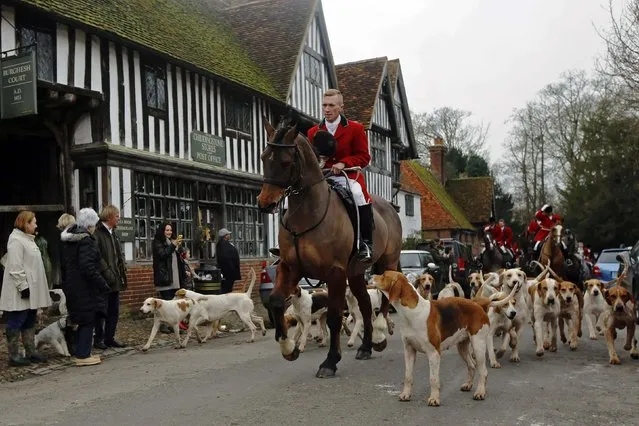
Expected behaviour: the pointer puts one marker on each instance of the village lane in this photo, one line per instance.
(230, 382)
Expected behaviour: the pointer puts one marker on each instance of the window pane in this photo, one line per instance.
(161, 97)
(45, 56)
(151, 90)
(141, 226)
(141, 206)
(140, 249)
(171, 209)
(139, 182)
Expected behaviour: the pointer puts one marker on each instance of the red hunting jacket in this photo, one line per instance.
(506, 237)
(352, 148)
(494, 232)
(545, 224)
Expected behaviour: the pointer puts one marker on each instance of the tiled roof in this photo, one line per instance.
(359, 83)
(186, 30)
(455, 219)
(272, 32)
(474, 196)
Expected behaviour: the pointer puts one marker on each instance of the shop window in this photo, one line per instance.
(245, 222)
(160, 199)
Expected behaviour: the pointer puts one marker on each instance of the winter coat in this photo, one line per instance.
(228, 260)
(43, 245)
(23, 269)
(546, 223)
(352, 148)
(112, 265)
(163, 253)
(84, 286)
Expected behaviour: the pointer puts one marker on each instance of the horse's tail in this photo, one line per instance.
(250, 287)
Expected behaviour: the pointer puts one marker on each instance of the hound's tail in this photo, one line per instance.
(250, 287)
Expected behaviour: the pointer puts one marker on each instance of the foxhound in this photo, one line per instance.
(475, 281)
(570, 312)
(452, 289)
(306, 308)
(170, 312)
(594, 306)
(433, 326)
(424, 284)
(354, 313)
(213, 308)
(545, 311)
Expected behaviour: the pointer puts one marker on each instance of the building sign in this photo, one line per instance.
(125, 230)
(207, 148)
(18, 85)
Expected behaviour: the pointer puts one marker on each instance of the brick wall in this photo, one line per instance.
(141, 282)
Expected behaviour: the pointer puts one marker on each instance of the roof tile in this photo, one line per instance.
(359, 84)
(474, 195)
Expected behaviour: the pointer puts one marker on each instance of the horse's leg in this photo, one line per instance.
(285, 281)
(336, 295)
(358, 287)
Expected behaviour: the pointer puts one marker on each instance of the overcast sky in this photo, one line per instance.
(485, 56)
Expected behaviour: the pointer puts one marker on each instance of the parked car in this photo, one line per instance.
(420, 262)
(607, 265)
(267, 280)
(632, 279)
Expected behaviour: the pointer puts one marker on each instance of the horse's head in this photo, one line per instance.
(288, 161)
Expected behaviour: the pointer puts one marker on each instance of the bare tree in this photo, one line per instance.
(453, 125)
(622, 53)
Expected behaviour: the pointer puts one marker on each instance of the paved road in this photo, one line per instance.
(229, 382)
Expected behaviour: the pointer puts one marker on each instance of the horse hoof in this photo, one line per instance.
(378, 347)
(293, 355)
(363, 354)
(325, 372)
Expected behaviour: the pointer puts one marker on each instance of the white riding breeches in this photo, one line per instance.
(356, 189)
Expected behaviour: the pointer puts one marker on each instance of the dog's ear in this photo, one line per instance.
(607, 295)
(157, 304)
(539, 284)
(502, 279)
(55, 296)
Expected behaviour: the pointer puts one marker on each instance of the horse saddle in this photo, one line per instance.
(349, 203)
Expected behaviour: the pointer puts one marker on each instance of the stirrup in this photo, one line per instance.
(364, 253)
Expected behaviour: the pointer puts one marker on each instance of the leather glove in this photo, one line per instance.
(25, 294)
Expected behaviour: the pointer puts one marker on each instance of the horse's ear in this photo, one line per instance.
(290, 136)
(267, 126)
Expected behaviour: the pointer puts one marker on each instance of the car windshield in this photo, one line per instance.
(410, 260)
(609, 256)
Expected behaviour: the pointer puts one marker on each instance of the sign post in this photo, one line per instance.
(208, 149)
(125, 230)
(18, 84)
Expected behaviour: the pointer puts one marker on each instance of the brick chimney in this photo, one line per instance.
(437, 153)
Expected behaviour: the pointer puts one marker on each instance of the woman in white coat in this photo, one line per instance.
(24, 290)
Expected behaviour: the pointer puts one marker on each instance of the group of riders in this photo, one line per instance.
(500, 234)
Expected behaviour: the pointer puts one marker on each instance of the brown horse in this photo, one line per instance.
(316, 240)
(551, 251)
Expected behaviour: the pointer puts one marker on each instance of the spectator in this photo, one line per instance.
(24, 290)
(228, 260)
(85, 288)
(169, 270)
(43, 246)
(113, 269)
(65, 221)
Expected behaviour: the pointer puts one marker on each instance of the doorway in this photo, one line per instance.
(31, 180)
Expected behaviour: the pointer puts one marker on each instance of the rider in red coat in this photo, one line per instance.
(493, 231)
(505, 240)
(546, 219)
(351, 150)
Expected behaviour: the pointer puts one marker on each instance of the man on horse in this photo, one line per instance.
(505, 241)
(350, 150)
(494, 231)
(545, 220)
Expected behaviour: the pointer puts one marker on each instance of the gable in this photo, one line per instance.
(189, 32)
(400, 105)
(474, 195)
(439, 210)
(314, 71)
(360, 83)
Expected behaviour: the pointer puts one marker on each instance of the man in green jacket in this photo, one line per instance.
(113, 269)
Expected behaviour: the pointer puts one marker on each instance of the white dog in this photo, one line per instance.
(53, 335)
(595, 306)
(213, 308)
(306, 308)
(452, 289)
(545, 308)
(170, 312)
(354, 313)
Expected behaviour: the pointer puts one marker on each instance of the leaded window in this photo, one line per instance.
(378, 150)
(155, 85)
(159, 199)
(238, 113)
(245, 222)
(41, 37)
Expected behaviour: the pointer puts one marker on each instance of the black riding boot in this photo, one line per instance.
(366, 227)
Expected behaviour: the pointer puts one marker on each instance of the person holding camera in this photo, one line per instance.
(24, 290)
